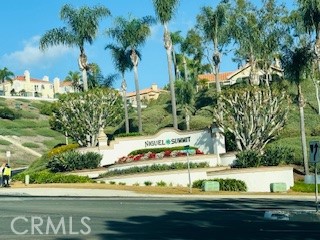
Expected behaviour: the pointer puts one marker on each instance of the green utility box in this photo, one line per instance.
(278, 187)
(210, 186)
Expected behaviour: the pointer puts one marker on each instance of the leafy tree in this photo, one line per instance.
(82, 27)
(165, 10)
(192, 47)
(5, 76)
(254, 115)
(257, 34)
(83, 114)
(132, 33)
(122, 62)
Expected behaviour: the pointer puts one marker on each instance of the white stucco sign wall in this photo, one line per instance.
(205, 140)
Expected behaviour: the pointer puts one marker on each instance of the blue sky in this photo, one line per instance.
(23, 22)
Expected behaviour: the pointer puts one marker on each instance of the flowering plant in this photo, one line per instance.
(160, 155)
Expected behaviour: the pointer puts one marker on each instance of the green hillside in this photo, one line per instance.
(290, 135)
(31, 130)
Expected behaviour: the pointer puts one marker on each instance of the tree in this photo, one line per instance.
(83, 114)
(309, 11)
(176, 38)
(254, 115)
(185, 99)
(257, 34)
(132, 34)
(122, 63)
(82, 27)
(297, 64)
(213, 25)
(165, 10)
(75, 79)
(5, 76)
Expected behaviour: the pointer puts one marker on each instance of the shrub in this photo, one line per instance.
(161, 184)
(62, 149)
(7, 113)
(276, 155)
(48, 177)
(72, 160)
(225, 184)
(147, 183)
(30, 145)
(154, 168)
(4, 142)
(248, 158)
(46, 108)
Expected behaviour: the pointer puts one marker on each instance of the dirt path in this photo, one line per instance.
(14, 142)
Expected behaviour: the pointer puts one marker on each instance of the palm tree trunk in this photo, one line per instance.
(168, 47)
(85, 79)
(185, 68)
(303, 131)
(83, 67)
(135, 59)
(124, 91)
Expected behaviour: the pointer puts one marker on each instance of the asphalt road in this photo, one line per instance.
(141, 218)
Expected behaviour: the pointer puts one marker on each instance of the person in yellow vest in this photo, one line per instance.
(6, 175)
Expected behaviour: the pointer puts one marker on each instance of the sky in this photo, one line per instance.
(24, 22)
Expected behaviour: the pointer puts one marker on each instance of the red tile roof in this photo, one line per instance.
(65, 84)
(211, 77)
(22, 78)
(145, 91)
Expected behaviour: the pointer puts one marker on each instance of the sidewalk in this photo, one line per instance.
(34, 191)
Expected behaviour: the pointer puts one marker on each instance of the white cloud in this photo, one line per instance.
(31, 55)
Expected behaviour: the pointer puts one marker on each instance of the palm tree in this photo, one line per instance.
(132, 33)
(122, 63)
(165, 10)
(82, 27)
(75, 79)
(185, 98)
(213, 25)
(176, 38)
(297, 64)
(5, 76)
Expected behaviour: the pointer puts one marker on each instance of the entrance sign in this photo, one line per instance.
(314, 151)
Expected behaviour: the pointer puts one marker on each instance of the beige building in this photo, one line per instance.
(32, 87)
(230, 78)
(146, 95)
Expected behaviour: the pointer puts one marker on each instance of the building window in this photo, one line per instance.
(36, 87)
(42, 87)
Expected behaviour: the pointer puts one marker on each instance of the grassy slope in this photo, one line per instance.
(290, 135)
(31, 130)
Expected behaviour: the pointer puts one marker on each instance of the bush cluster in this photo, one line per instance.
(158, 150)
(72, 160)
(154, 168)
(7, 113)
(273, 156)
(61, 149)
(48, 177)
(225, 184)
